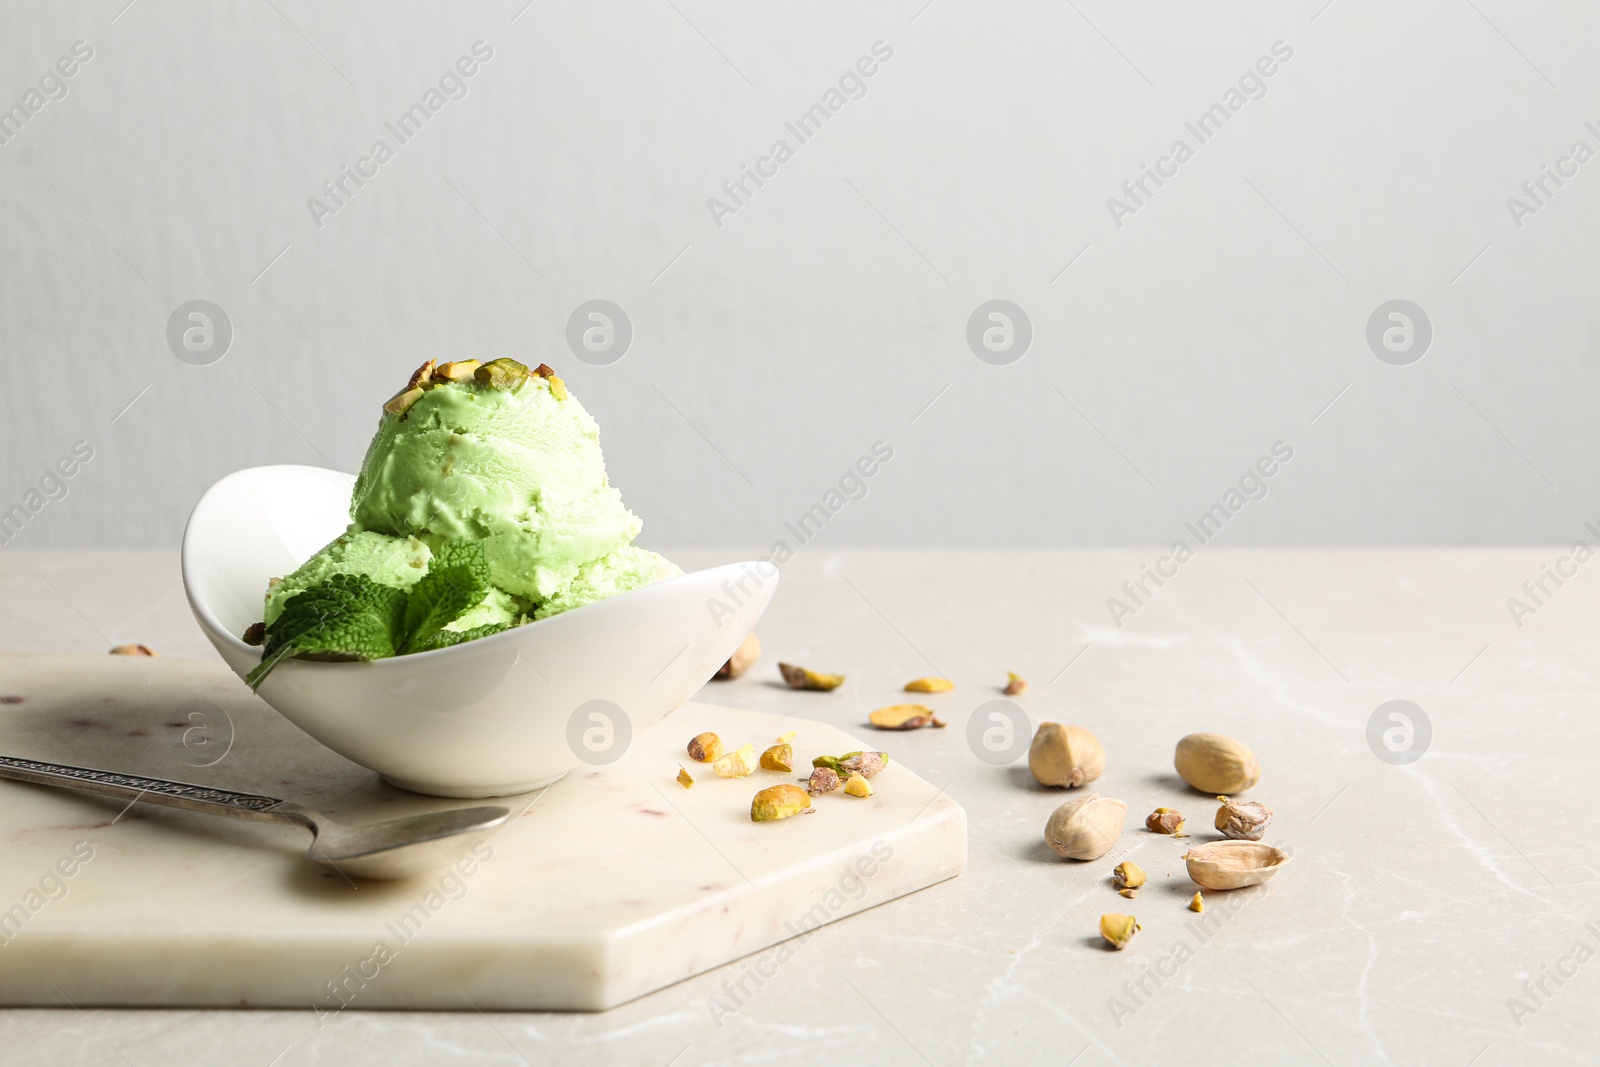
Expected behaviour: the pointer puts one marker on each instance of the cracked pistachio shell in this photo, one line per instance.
(1233, 864)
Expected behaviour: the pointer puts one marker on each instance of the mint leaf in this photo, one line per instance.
(457, 581)
(348, 617)
(446, 638)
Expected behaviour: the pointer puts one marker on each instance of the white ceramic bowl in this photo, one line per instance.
(490, 717)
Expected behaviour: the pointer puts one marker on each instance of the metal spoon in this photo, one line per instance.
(395, 848)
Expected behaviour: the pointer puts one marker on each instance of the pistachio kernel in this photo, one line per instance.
(705, 748)
(778, 802)
(1128, 875)
(1242, 820)
(1118, 930)
(904, 717)
(778, 758)
(736, 764)
(806, 678)
(1164, 821)
(502, 373)
(822, 780)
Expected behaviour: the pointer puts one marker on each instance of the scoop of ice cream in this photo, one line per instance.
(397, 561)
(628, 567)
(512, 461)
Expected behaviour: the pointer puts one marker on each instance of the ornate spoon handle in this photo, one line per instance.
(152, 790)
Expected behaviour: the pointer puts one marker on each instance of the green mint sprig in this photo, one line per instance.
(352, 618)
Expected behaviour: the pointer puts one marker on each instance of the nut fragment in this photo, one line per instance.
(401, 402)
(1233, 864)
(1118, 929)
(1016, 685)
(558, 388)
(1085, 828)
(255, 634)
(866, 764)
(1129, 893)
(1198, 903)
(1164, 821)
(1065, 755)
(743, 657)
(544, 370)
(857, 786)
(1216, 764)
(822, 780)
(132, 650)
(1128, 875)
(502, 373)
(1242, 820)
(806, 678)
(705, 748)
(778, 802)
(789, 736)
(458, 370)
(684, 778)
(421, 376)
(904, 717)
(930, 685)
(736, 764)
(778, 758)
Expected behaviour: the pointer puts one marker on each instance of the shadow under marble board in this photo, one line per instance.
(610, 884)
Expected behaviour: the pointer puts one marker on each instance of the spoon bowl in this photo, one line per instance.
(396, 848)
(499, 715)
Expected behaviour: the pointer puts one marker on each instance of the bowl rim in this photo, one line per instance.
(214, 629)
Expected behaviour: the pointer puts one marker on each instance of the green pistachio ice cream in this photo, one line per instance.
(501, 457)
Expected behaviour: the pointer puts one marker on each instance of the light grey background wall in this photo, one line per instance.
(1174, 340)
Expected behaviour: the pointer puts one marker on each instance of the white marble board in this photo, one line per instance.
(612, 883)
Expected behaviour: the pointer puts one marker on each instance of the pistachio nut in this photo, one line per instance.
(778, 758)
(401, 402)
(1065, 755)
(705, 748)
(822, 780)
(858, 786)
(1164, 821)
(743, 657)
(458, 370)
(736, 764)
(1242, 820)
(1216, 764)
(1085, 828)
(1128, 875)
(778, 802)
(806, 678)
(930, 685)
(904, 717)
(502, 373)
(1118, 929)
(866, 764)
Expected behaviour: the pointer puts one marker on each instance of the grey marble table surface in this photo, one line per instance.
(1443, 905)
